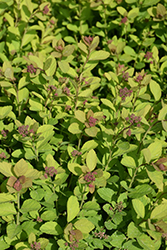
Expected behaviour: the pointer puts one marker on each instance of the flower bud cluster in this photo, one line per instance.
(2, 155)
(35, 246)
(76, 153)
(134, 119)
(119, 207)
(148, 55)
(90, 176)
(45, 10)
(68, 107)
(51, 88)
(125, 76)
(62, 79)
(31, 69)
(66, 91)
(4, 132)
(50, 172)
(39, 219)
(124, 20)
(23, 130)
(124, 93)
(59, 48)
(17, 186)
(92, 121)
(101, 235)
(88, 40)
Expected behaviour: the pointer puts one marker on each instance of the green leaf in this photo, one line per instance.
(92, 131)
(155, 176)
(23, 94)
(5, 169)
(72, 208)
(94, 43)
(64, 66)
(162, 113)
(91, 205)
(106, 193)
(75, 168)
(80, 116)
(146, 242)
(155, 90)
(84, 225)
(140, 190)
(133, 231)
(133, 13)
(30, 205)
(37, 194)
(148, 3)
(68, 50)
(83, 47)
(156, 149)
(147, 155)
(128, 161)
(99, 55)
(108, 103)
(49, 215)
(50, 66)
(74, 128)
(7, 209)
(159, 212)
(91, 144)
(91, 160)
(4, 197)
(38, 62)
(3, 244)
(35, 105)
(117, 239)
(4, 111)
(122, 10)
(139, 207)
(13, 230)
(52, 228)
(21, 167)
(28, 37)
(130, 51)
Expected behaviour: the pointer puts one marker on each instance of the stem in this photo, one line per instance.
(18, 208)
(83, 196)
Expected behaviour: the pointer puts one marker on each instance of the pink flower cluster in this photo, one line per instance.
(125, 76)
(75, 153)
(2, 155)
(4, 132)
(23, 130)
(134, 119)
(92, 121)
(31, 69)
(17, 185)
(87, 40)
(124, 19)
(148, 55)
(45, 10)
(124, 93)
(68, 107)
(35, 246)
(51, 87)
(101, 235)
(90, 176)
(66, 91)
(50, 172)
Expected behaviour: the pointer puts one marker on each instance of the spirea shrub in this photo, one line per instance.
(83, 124)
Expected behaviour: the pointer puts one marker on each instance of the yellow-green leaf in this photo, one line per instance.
(72, 208)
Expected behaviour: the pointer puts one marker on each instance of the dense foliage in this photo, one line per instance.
(83, 124)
